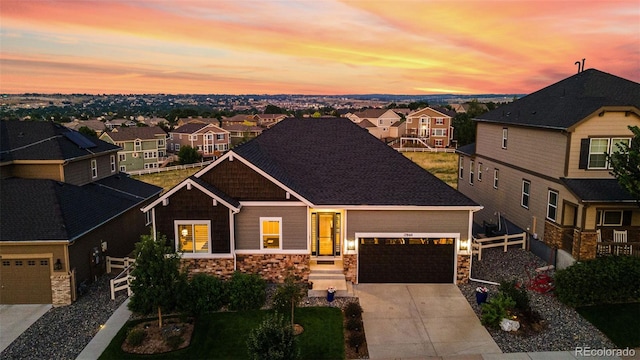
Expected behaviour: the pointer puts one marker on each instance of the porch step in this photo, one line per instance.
(327, 274)
(343, 288)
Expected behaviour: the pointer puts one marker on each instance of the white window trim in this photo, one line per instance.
(496, 174)
(461, 167)
(479, 171)
(112, 159)
(505, 137)
(177, 237)
(610, 149)
(471, 175)
(279, 219)
(148, 219)
(177, 146)
(527, 194)
(123, 168)
(439, 121)
(550, 205)
(137, 145)
(122, 156)
(94, 168)
(602, 217)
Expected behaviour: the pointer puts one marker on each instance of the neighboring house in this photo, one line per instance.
(240, 119)
(65, 207)
(95, 125)
(431, 127)
(382, 119)
(463, 108)
(240, 133)
(318, 190)
(210, 140)
(268, 120)
(540, 163)
(115, 123)
(197, 120)
(142, 147)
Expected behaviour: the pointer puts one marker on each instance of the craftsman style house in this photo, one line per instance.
(210, 140)
(64, 207)
(540, 163)
(141, 147)
(318, 191)
(430, 127)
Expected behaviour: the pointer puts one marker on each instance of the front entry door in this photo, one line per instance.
(326, 233)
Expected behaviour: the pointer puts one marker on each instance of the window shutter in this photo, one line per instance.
(584, 154)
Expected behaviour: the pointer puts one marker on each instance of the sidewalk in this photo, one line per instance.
(103, 338)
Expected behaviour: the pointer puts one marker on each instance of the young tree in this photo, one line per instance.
(273, 339)
(287, 297)
(87, 131)
(625, 163)
(188, 155)
(157, 278)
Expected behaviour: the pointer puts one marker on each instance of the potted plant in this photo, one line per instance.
(331, 292)
(481, 294)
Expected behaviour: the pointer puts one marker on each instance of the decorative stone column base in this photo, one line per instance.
(350, 265)
(60, 289)
(463, 269)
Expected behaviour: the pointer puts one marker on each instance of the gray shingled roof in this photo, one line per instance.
(138, 132)
(44, 140)
(42, 209)
(598, 190)
(335, 162)
(469, 149)
(565, 103)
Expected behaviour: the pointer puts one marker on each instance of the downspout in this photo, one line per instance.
(471, 250)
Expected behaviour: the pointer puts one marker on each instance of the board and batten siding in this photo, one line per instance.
(537, 150)
(407, 221)
(294, 226)
(610, 125)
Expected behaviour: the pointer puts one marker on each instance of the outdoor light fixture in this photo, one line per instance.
(464, 245)
(57, 265)
(351, 244)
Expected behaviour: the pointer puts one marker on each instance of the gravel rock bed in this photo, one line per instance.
(565, 329)
(63, 332)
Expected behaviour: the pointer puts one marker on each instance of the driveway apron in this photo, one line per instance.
(420, 320)
(15, 319)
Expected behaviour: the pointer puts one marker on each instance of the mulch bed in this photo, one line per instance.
(155, 338)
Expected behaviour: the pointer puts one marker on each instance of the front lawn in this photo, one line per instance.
(617, 321)
(223, 335)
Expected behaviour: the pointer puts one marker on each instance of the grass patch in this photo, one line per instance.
(167, 179)
(443, 165)
(617, 321)
(223, 335)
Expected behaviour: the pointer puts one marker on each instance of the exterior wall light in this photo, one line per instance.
(351, 244)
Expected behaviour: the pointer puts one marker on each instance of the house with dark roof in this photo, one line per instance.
(210, 140)
(65, 207)
(317, 196)
(540, 163)
(141, 147)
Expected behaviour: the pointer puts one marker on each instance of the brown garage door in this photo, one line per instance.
(406, 260)
(25, 281)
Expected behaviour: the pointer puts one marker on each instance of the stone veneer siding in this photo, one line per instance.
(553, 235)
(221, 268)
(584, 245)
(61, 289)
(275, 267)
(463, 270)
(350, 266)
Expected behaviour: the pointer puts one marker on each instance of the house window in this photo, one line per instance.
(147, 217)
(496, 172)
(552, 205)
(193, 137)
(123, 168)
(150, 154)
(504, 138)
(599, 147)
(424, 120)
(170, 136)
(222, 147)
(410, 121)
(438, 142)
(461, 166)
(193, 236)
(219, 136)
(479, 171)
(177, 147)
(160, 143)
(610, 217)
(471, 165)
(526, 191)
(439, 132)
(439, 121)
(122, 157)
(380, 122)
(113, 163)
(137, 145)
(271, 232)
(94, 169)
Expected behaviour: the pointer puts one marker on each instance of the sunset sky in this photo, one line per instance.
(311, 46)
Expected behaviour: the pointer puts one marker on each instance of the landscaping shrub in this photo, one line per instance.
(174, 341)
(353, 309)
(356, 339)
(519, 295)
(354, 324)
(135, 337)
(205, 293)
(246, 291)
(287, 297)
(496, 309)
(273, 339)
(605, 280)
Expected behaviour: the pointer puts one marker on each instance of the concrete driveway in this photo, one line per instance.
(420, 320)
(15, 319)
